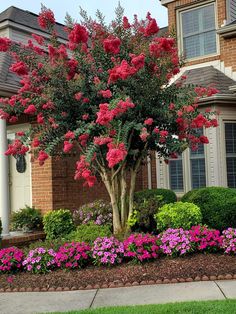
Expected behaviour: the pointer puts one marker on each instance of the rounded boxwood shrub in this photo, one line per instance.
(178, 215)
(146, 204)
(58, 223)
(218, 206)
(89, 233)
(187, 197)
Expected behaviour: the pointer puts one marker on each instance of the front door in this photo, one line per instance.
(19, 179)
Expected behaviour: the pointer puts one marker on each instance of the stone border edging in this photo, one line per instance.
(119, 284)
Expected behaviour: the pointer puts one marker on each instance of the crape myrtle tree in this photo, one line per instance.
(105, 95)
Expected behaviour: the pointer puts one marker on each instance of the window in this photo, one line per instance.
(230, 143)
(231, 10)
(176, 174)
(199, 31)
(198, 171)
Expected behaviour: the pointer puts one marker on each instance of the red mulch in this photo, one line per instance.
(164, 269)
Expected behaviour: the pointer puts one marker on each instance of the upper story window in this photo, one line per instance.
(198, 27)
(231, 10)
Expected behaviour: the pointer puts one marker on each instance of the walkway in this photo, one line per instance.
(42, 302)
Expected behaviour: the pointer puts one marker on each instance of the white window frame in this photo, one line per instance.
(180, 31)
(224, 122)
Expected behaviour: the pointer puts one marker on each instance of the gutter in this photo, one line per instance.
(222, 99)
(227, 31)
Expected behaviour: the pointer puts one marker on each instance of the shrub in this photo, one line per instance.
(205, 239)
(107, 251)
(141, 247)
(98, 212)
(11, 259)
(72, 255)
(177, 215)
(58, 223)
(187, 197)
(40, 260)
(26, 219)
(89, 233)
(229, 240)
(146, 204)
(218, 206)
(175, 242)
(168, 196)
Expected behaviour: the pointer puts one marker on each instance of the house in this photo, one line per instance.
(206, 36)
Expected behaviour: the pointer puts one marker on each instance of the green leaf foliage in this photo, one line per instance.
(58, 223)
(28, 218)
(178, 215)
(217, 204)
(89, 233)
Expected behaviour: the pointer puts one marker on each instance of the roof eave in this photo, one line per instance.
(227, 31)
(222, 99)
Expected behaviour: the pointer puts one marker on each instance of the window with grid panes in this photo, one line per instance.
(199, 31)
(230, 143)
(176, 174)
(197, 164)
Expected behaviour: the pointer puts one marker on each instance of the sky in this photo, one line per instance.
(60, 7)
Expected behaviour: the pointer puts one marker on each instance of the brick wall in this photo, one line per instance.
(227, 46)
(54, 187)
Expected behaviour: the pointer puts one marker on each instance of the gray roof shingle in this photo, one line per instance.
(29, 19)
(206, 76)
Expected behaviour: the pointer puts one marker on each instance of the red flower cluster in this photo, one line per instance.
(83, 172)
(126, 23)
(112, 45)
(152, 28)
(78, 35)
(16, 147)
(105, 115)
(122, 71)
(116, 153)
(4, 44)
(42, 157)
(160, 45)
(138, 61)
(19, 68)
(30, 110)
(67, 146)
(205, 239)
(102, 140)
(106, 93)
(148, 121)
(83, 139)
(46, 19)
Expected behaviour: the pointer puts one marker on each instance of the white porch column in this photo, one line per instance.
(4, 184)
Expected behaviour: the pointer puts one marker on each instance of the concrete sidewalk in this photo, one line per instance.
(42, 302)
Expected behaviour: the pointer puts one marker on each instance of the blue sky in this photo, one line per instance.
(60, 7)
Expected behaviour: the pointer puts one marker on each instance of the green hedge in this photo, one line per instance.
(217, 204)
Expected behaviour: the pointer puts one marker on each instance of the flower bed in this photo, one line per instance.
(110, 251)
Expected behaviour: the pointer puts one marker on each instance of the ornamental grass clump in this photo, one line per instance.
(73, 255)
(205, 239)
(229, 241)
(11, 259)
(107, 251)
(141, 247)
(40, 260)
(175, 242)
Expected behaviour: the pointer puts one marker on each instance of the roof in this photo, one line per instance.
(206, 76)
(29, 19)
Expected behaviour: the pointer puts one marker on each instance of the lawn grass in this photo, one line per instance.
(203, 307)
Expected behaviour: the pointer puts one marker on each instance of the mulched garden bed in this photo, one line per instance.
(164, 270)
